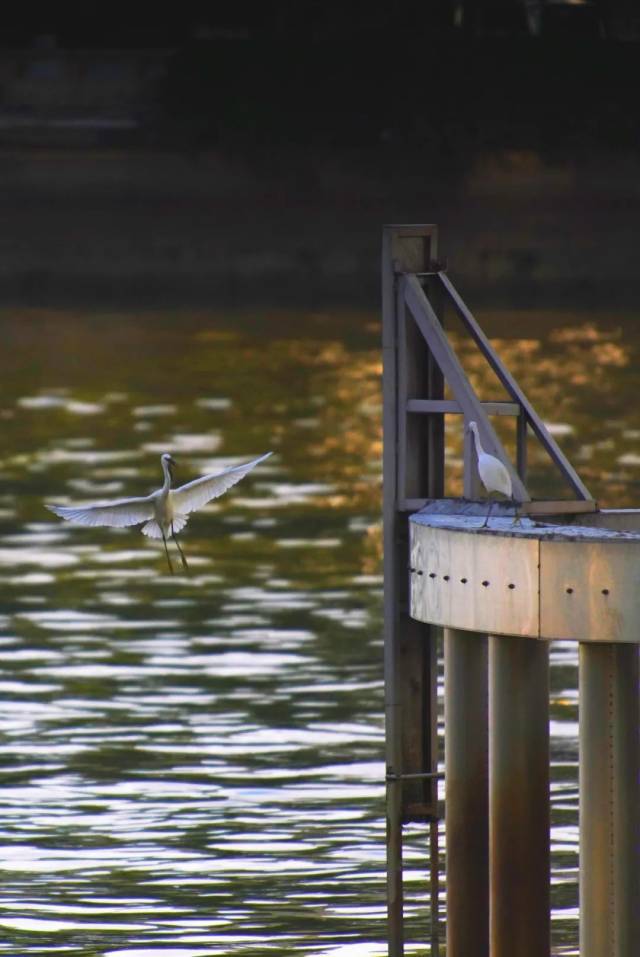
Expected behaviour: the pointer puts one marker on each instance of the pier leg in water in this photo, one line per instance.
(519, 797)
(609, 799)
(466, 704)
(395, 925)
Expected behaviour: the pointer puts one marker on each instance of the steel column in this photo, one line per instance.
(392, 557)
(609, 800)
(467, 793)
(412, 461)
(519, 797)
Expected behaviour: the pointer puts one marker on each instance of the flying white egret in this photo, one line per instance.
(165, 511)
(493, 473)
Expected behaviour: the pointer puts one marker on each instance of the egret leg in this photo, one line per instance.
(166, 551)
(486, 518)
(175, 538)
(516, 520)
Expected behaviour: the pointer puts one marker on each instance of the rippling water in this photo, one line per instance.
(193, 765)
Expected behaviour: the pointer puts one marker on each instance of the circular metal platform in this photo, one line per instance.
(538, 579)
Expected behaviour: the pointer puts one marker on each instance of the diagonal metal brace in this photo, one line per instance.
(473, 410)
(531, 416)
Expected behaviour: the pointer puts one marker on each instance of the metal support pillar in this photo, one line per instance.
(467, 793)
(609, 800)
(392, 588)
(519, 797)
(413, 466)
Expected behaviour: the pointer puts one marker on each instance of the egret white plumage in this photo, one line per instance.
(493, 473)
(165, 511)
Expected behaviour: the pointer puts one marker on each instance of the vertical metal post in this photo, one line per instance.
(609, 800)
(467, 793)
(519, 797)
(391, 599)
(435, 390)
(521, 444)
(410, 659)
(435, 485)
(434, 877)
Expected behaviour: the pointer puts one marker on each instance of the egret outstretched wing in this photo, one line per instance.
(195, 494)
(164, 512)
(118, 514)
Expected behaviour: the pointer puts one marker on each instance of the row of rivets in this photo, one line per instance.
(463, 581)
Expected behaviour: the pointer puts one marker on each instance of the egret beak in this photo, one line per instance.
(172, 464)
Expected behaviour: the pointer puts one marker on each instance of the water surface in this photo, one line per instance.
(193, 765)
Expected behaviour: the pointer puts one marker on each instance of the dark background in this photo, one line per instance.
(251, 149)
(453, 76)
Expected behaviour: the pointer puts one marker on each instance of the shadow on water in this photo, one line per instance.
(193, 766)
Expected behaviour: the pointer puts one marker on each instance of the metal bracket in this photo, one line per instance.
(434, 267)
(428, 775)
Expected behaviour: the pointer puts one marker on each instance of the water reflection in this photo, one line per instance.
(193, 766)
(580, 375)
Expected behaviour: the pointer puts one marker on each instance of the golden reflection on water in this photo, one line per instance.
(318, 397)
(153, 725)
(582, 380)
(112, 391)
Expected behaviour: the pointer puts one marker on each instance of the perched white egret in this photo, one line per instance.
(492, 471)
(165, 511)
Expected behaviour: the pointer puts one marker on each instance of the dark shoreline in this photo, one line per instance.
(302, 227)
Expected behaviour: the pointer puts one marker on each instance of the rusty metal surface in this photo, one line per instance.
(466, 715)
(570, 582)
(474, 582)
(411, 247)
(590, 590)
(609, 800)
(519, 798)
(395, 928)
(409, 682)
